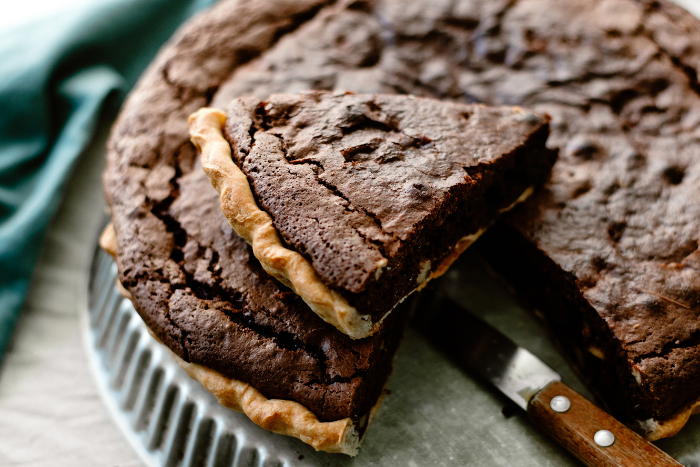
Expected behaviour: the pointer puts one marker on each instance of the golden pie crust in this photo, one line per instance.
(280, 416)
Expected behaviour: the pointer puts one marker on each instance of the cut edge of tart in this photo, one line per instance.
(550, 297)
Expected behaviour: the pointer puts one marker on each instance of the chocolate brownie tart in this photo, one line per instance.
(379, 192)
(614, 233)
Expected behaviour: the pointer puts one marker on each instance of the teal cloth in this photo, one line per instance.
(56, 75)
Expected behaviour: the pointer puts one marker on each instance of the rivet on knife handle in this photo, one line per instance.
(591, 434)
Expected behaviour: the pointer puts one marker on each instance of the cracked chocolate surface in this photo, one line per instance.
(376, 190)
(613, 237)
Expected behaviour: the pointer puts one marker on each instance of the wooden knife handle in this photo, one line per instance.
(576, 427)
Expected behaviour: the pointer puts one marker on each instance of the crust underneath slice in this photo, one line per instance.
(653, 429)
(284, 417)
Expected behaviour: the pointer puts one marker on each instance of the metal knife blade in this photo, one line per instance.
(474, 344)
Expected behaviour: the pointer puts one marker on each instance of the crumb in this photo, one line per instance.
(509, 410)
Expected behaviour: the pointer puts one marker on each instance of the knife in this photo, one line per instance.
(585, 430)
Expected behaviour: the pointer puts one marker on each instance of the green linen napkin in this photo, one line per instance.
(55, 76)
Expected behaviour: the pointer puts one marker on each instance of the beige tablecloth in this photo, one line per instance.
(50, 411)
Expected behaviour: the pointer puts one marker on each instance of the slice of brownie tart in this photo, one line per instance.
(355, 201)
